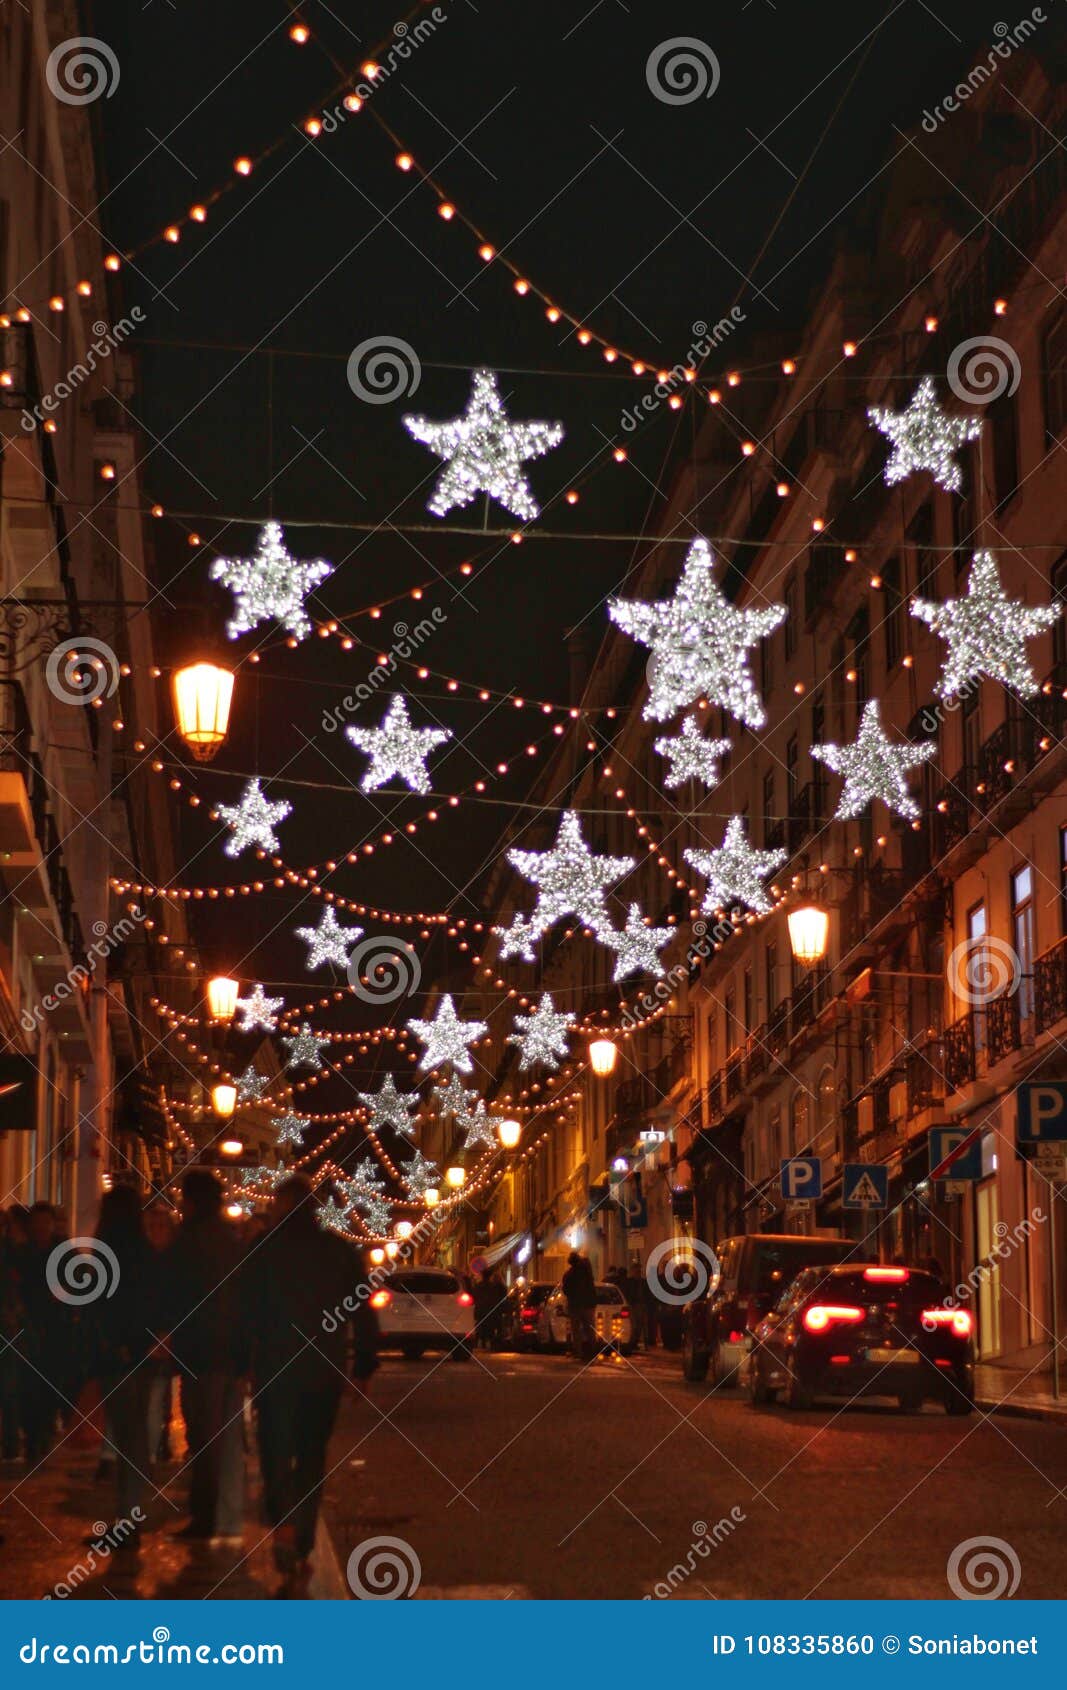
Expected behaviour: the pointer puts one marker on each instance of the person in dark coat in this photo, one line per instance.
(579, 1288)
(203, 1314)
(302, 1289)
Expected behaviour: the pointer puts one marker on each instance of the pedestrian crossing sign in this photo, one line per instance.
(865, 1185)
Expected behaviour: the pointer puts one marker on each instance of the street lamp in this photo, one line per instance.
(222, 997)
(455, 1176)
(809, 929)
(230, 1147)
(603, 1054)
(431, 1197)
(509, 1134)
(202, 697)
(404, 1229)
(224, 1099)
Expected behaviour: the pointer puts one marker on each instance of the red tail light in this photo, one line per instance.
(381, 1299)
(528, 1314)
(887, 1276)
(465, 1300)
(737, 1337)
(821, 1315)
(959, 1320)
(624, 1314)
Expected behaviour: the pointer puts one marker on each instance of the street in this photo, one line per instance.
(518, 1476)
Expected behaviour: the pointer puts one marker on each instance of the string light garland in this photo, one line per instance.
(735, 871)
(873, 767)
(986, 632)
(446, 1038)
(542, 1036)
(484, 452)
(924, 437)
(271, 584)
(397, 748)
(252, 820)
(691, 756)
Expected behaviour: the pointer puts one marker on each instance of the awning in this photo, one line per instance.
(503, 1247)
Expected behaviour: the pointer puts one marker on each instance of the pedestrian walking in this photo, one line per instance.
(161, 1227)
(296, 1287)
(579, 1289)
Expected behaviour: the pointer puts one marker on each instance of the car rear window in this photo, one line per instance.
(425, 1284)
(534, 1295)
(918, 1290)
(769, 1264)
(609, 1294)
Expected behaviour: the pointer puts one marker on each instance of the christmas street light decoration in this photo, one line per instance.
(636, 946)
(396, 748)
(365, 1176)
(454, 1097)
(446, 1038)
(542, 1036)
(986, 632)
(516, 940)
(420, 1176)
(222, 997)
(479, 1126)
(257, 1013)
(699, 643)
(269, 585)
(376, 1211)
(570, 879)
(873, 767)
(203, 693)
(332, 1216)
(251, 1085)
(305, 1048)
(691, 756)
(252, 820)
(484, 452)
(291, 1130)
(924, 437)
(390, 1108)
(735, 871)
(224, 1100)
(329, 941)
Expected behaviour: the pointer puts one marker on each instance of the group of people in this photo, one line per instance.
(236, 1317)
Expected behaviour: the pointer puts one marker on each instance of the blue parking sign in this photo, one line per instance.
(865, 1185)
(944, 1140)
(1042, 1112)
(801, 1178)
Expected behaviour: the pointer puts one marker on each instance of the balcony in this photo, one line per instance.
(1050, 987)
(1003, 1028)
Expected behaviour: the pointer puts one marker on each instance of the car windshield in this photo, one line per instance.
(777, 1261)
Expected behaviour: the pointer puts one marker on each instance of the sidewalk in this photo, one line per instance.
(1013, 1390)
(46, 1516)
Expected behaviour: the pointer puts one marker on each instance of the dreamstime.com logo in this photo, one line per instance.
(381, 971)
(983, 369)
(81, 70)
(383, 369)
(680, 1269)
(82, 671)
(82, 1270)
(982, 970)
(983, 1569)
(383, 1569)
(682, 70)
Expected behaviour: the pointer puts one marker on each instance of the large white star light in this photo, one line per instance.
(986, 632)
(735, 871)
(484, 452)
(251, 1085)
(570, 880)
(873, 767)
(446, 1038)
(691, 756)
(271, 584)
(305, 1048)
(542, 1036)
(291, 1130)
(396, 748)
(699, 643)
(252, 820)
(390, 1108)
(257, 1013)
(637, 946)
(329, 941)
(924, 437)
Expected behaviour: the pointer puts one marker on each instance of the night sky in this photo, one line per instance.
(539, 122)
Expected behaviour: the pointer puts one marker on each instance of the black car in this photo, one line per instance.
(856, 1330)
(754, 1270)
(522, 1309)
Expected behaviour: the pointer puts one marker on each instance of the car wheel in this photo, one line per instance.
(909, 1402)
(694, 1361)
(759, 1393)
(721, 1376)
(627, 1349)
(412, 1352)
(461, 1352)
(797, 1395)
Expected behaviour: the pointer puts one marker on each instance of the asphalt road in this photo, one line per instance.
(524, 1476)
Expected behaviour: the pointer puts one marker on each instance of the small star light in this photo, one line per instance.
(570, 880)
(332, 1216)
(453, 1098)
(329, 941)
(291, 1130)
(986, 632)
(396, 748)
(692, 757)
(699, 643)
(251, 1086)
(873, 768)
(420, 1176)
(446, 1038)
(269, 1177)
(484, 452)
(252, 821)
(271, 584)
(257, 1012)
(637, 947)
(365, 1176)
(389, 1107)
(305, 1048)
(925, 437)
(736, 871)
(516, 940)
(479, 1126)
(542, 1036)
(376, 1212)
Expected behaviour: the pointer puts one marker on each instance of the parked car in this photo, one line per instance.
(611, 1320)
(864, 1331)
(522, 1313)
(423, 1309)
(754, 1270)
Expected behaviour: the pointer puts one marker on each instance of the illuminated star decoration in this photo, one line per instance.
(365, 1176)
(484, 452)
(925, 437)
(446, 1038)
(271, 584)
(396, 748)
(389, 1107)
(542, 1036)
(637, 946)
(376, 1212)
(691, 756)
(291, 1130)
(332, 1216)
(454, 1097)
(516, 940)
(251, 1086)
(252, 820)
(257, 1013)
(329, 941)
(420, 1176)
(735, 871)
(986, 632)
(479, 1126)
(699, 643)
(304, 1048)
(873, 767)
(570, 880)
(270, 1177)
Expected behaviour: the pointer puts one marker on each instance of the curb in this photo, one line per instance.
(1022, 1410)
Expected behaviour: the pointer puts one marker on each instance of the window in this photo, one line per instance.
(971, 722)
(892, 613)
(977, 962)
(798, 1122)
(768, 804)
(1063, 881)
(1054, 364)
(730, 1006)
(1022, 933)
(920, 537)
(790, 600)
(818, 770)
(746, 999)
(770, 978)
(965, 514)
(1003, 423)
(792, 760)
